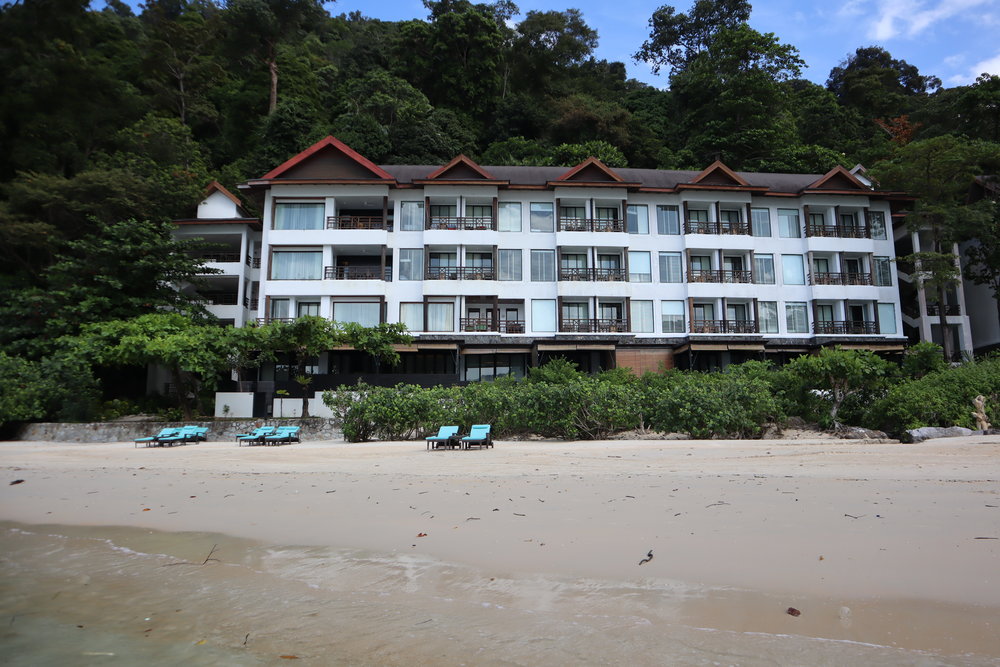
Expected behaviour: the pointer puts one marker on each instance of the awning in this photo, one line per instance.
(874, 348)
(754, 347)
(495, 350)
(425, 346)
(556, 347)
(722, 347)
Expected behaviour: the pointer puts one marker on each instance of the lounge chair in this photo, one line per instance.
(256, 437)
(479, 436)
(447, 436)
(155, 439)
(283, 434)
(185, 435)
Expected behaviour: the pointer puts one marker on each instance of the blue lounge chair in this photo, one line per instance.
(185, 435)
(283, 434)
(479, 436)
(155, 439)
(256, 437)
(447, 436)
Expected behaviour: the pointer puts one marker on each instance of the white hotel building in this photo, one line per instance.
(497, 269)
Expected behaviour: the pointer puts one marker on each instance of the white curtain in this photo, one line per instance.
(768, 311)
(642, 316)
(667, 220)
(510, 264)
(412, 216)
(411, 264)
(297, 265)
(365, 314)
(796, 318)
(510, 216)
(763, 269)
(761, 221)
(639, 270)
(788, 223)
(412, 315)
(440, 317)
(542, 218)
(887, 318)
(791, 270)
(543, 264)
(672, 313)
(638, 219)
(670, 267)
(298, 216)
(543, 315)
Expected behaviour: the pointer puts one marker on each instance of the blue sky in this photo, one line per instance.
(955, 40)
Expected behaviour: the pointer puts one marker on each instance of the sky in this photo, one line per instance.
(954, 40)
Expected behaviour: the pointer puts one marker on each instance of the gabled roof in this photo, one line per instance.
(329, 159)
(215, 186)
(837, 179)
(718, 174)
(460, 169)
(592, 173)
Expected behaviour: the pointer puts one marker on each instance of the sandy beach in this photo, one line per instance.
(529, 553)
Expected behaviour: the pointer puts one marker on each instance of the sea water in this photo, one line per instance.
(123, 596)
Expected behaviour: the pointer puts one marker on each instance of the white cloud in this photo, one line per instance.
(896, 17)
(988, 66)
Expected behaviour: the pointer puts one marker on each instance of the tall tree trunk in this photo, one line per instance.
(272, 67)
(949, 349)
(180, 386)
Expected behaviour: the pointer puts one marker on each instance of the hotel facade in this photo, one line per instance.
(497, 269)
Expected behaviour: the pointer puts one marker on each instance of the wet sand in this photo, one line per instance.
(889, 551)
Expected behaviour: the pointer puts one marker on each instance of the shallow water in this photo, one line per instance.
(108, 595)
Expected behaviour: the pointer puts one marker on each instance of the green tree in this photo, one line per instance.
(547, 45)
(982, 253)
(675, 40)
(881, 86)
(838, 374)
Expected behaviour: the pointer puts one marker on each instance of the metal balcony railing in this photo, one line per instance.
(843, 278)
(845, 327)
(591, 225)
(717, 227)
(463, 222)
(357, 273)
(949, 309)
(720, 276)
(724, 326)
(358, 222)
(594, 274)
(594, 325)
(221, 257)
(839, 231)
(460, 273)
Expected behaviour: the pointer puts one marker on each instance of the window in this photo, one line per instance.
(796, 317)
(365, 314)
(887, 318)
(440, 317)
(670, 267)
(883, 272)
(763, 269)
(639, 270)
(298, 216)
(672, 316)
(824, 312)
(479, 211)
(442, 260)
(704, 311)
(642, 316)
(877, 221)
(816, 220)
(730, 216)
(701, 263)
(411, 264)
(791, 270)
(541, 217)
(849, 221)
(572, 261)
(441, 211)
(667, 220)
(543, 265)
(576, 311)
(297, 265)
(607, 213)
(279, 309)
(411, 216)
(760, 221)
(571, 212)
(304, 308)
(637, 219)
(609, 262)
(479, 260)
(489, 366)
(510, 264)
(767, 311)
(412, 315)
(510, 216)
(698, 215)
(543, 315)
(788, 223)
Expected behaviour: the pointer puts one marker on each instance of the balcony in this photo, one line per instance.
(720, 276)
(220, 257)
(949, 309)
(839, 231)
(605, 275)
(357, 273)
(358, 222)
(837, 327)
(598, 325)
(591, 225)
(487, 324)
(460, 273)
(253, 262)
(462, 223)
(718, 227)
(220, 299)
(848, 278)
(724, 326)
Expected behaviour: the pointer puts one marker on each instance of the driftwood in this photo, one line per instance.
(982, 424)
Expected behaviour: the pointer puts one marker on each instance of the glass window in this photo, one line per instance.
(412, 315)
(541, 217)
(698, 215)
(816, 220)
(637, 219)
(572, 261)
(670, 267)
(667, 220)
(763, 269)
(883, 271)
(411, 264)
(760, 221)
(440, 317)
(543, 265)
(672, 316)
(642, 316)
(768, 313)
(365, 314)
(796, 317)
(791, 270)
(543, 315)
(788, 223)
(297, 265)
(304, 308)
(510, 216)
(877, 221)
(732, 216)
(639, 268)
(887, 318)
(298, 216)
(279, 309)
(412, 216)
(510, 263)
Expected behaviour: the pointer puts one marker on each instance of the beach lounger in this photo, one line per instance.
(256, 437)
(155, 439)
(283, 434)
(447, 436)
(185, 435)
(479, 436)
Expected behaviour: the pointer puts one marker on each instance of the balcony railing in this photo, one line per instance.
(358, 222)
(591, 225)
(487, 324)
(460, 273)
(839, 231)
(717, 227)
(220, 299)
(724, 326)
(357, 273)
(613, 275)
(466, 222)
(253, 262)
(265, 320)
(595, 325)
(845, 327)
(845, 278)
(220, 257)
(720, 276)
(949, 309)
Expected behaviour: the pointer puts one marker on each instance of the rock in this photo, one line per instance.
(858, 433)
(928, 432)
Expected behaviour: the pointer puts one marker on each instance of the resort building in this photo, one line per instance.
(496, 269)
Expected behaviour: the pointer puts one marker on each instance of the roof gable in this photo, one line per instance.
(329, 159)
(838, 179)
(590, 170)
(719, 174)
(460, 169)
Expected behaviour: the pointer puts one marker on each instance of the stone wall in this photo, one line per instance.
(220, 430)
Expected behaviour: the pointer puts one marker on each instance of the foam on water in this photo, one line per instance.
(75, 595)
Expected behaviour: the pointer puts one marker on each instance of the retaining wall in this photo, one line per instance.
(218, 430)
